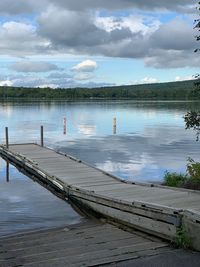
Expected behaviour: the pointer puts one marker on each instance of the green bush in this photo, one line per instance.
(174, 179)
(193, 170)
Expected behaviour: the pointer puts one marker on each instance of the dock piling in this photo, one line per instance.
(114, 125)
(42, 135)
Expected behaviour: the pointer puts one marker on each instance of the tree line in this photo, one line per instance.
(183, 90)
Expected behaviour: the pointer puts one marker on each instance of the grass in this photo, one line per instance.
(190, 180)
(182, 239)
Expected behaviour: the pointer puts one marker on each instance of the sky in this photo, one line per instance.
(91, 43)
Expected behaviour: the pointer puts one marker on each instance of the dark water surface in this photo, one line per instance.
(26, 205)
(150, 139)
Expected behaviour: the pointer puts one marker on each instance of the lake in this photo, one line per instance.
(150, 138)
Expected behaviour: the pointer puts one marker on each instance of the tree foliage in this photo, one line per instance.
(192, 121)
(197, 27)
(192, 118)
(197, 36)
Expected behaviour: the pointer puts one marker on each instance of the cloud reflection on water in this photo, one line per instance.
(134, 157)
(86, 129)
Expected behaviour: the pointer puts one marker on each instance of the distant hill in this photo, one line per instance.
(182, 90)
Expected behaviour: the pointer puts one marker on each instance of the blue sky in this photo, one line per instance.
(68, 43)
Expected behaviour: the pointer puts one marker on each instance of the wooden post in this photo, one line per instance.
(7, 141)
(42, 136)
(114, 125)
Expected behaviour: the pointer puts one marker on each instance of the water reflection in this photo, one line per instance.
(86, 129)
(134, 157)
(25, 205)
(7, 172)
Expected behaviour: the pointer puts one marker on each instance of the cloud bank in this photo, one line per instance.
(159, 33)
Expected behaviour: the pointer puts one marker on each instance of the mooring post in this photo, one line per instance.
(7, 141)
(114, 125)
(42, 135)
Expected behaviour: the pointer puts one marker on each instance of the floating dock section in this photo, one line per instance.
(157, 210)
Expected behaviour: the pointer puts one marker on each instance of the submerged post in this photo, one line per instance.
(6, 133)
(42, 135)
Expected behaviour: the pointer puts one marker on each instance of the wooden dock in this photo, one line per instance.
(157, 210)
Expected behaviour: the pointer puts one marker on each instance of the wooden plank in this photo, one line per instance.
(88, 182)
(92, 183)
(143, 194)
(147, 193)
(88, 179)
(107, 182)
(72, 168)
(74, 174)
(100, 189)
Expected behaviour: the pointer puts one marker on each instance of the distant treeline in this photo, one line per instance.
(159, 91)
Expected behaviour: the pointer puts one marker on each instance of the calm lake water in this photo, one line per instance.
(150, 139)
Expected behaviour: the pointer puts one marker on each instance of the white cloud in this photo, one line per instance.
(85, 66)
(51, 85)
(83, 76)
(149, 80)
(6, 83)
(179, 78)
(21, 39)
(135, 23)
(30, 66)
(145, 80)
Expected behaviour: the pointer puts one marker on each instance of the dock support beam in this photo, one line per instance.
(42, 135)
(6, 133)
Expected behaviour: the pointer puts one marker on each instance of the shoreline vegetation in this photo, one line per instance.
(189, 180)
(182, 90)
